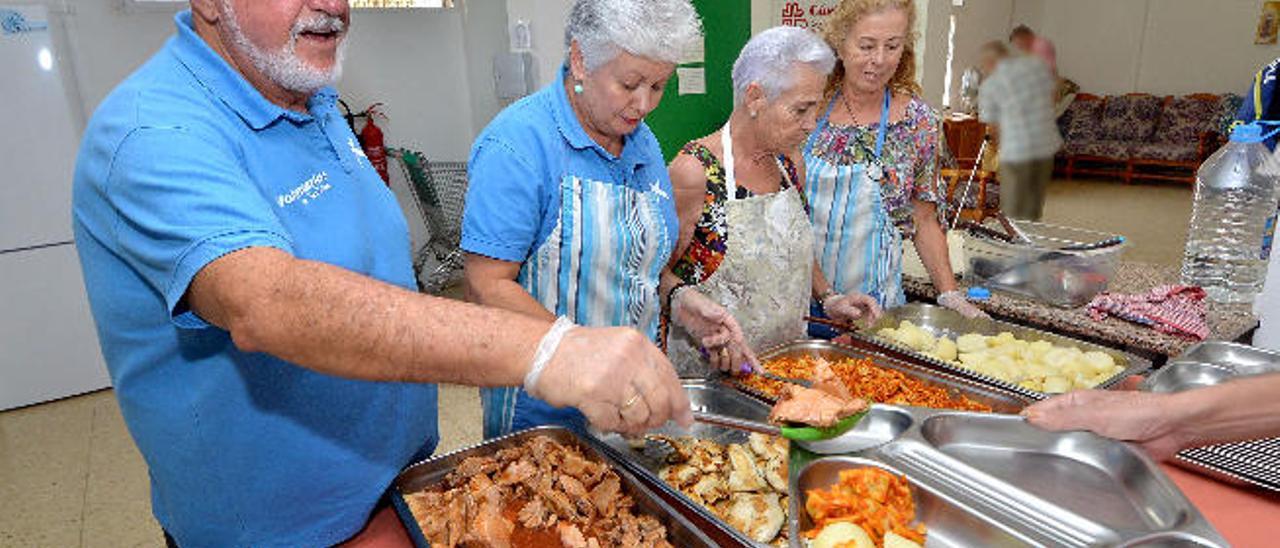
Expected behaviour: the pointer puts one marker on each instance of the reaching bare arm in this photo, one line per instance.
(931, 245)
(341, 323)
(1167, 423)
(492, 282)
(335, 321)
(713, 325)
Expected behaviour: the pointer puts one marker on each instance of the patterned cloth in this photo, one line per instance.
(1184, 119)
(1172, 309)
(1019, 99)
(1081, 124)
(1106, 149)
(711, 235)
(1130, 117)
(1229, 111)
(910, 159)
(1170, 152)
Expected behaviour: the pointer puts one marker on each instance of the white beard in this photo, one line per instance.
(283, 66)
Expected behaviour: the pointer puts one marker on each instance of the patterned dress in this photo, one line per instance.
(861, 183)
(710, 236)
(911, 151)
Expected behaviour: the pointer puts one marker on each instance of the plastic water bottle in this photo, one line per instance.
(1235, 200)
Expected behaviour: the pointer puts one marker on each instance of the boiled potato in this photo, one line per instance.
(972, 342)
(840, 534)
(946, 350)
(894, 540)
(1056, 384)
(1036, 365)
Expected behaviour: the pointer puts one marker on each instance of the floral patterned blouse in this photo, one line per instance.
(911, 151)
(710, 236)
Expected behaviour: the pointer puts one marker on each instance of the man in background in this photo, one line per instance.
(1017, 99)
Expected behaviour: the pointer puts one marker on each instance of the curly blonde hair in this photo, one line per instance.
(847, 14)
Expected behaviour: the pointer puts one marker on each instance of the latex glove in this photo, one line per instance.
(955, 301)
(715, 330)
(849, 308)
(1148, 419)
(617, 378)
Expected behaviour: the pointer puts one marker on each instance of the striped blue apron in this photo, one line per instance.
(599, 267)
(856, 243)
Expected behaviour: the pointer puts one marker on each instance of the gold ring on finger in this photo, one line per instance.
(632, 401)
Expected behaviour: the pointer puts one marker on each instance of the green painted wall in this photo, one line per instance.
(683, 118)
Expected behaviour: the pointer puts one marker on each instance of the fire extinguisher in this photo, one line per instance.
(371, 140)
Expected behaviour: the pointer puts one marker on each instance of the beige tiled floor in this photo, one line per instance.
(71, 476)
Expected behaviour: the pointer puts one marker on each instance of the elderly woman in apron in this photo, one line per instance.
(871, 165)
(745, 254)
(569, 211)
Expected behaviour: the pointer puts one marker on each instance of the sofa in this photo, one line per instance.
(1142, 136)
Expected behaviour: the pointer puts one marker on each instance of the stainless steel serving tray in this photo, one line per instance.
(430, 472)
(940, 321)
(1000, 399)
(949, 522)
(1253, 463)
(705, 395)
(1026, 485)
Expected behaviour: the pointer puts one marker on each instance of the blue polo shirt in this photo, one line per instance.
(183, 163)
(520, 159)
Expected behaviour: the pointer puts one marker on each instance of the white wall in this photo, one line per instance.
(412, 60)
(546, 19)
(1122, 46)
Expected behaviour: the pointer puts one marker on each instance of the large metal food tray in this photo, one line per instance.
(1003, 482)
(940, 321)
(704, 395)
(1000, 399)
(949, 522)
(1254, 463)
(430, 472)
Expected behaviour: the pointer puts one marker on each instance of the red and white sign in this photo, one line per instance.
(806, 14)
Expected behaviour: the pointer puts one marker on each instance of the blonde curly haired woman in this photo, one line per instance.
(871, 164)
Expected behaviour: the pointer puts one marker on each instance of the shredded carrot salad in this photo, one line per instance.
(871, 498)
(866, 380)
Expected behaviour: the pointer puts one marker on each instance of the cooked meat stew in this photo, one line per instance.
(539, 494)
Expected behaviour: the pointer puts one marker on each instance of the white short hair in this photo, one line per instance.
(661, 30)
(768, 60)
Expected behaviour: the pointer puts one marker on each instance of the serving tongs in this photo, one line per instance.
(779, 378)
(849, 435)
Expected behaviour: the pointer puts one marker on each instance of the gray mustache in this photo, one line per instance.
(322, 23)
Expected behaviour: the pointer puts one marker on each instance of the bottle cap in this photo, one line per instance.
(1247, 133)
(979, 293)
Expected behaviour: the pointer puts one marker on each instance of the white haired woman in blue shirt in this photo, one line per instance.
(569, 211)
(746, 245)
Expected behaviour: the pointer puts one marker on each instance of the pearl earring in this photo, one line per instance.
(577, 88)
(753, 114)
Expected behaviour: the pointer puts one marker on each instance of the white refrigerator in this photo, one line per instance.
(48, 345)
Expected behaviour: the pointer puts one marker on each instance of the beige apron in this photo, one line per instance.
(766, 276)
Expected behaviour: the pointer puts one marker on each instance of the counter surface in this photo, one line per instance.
(1225, 322)
(1247, 518)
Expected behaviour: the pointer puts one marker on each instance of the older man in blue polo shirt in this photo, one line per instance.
(251, 282)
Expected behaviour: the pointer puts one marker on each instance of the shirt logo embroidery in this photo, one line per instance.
(307, 191)
(657, 189)
(355, 149)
